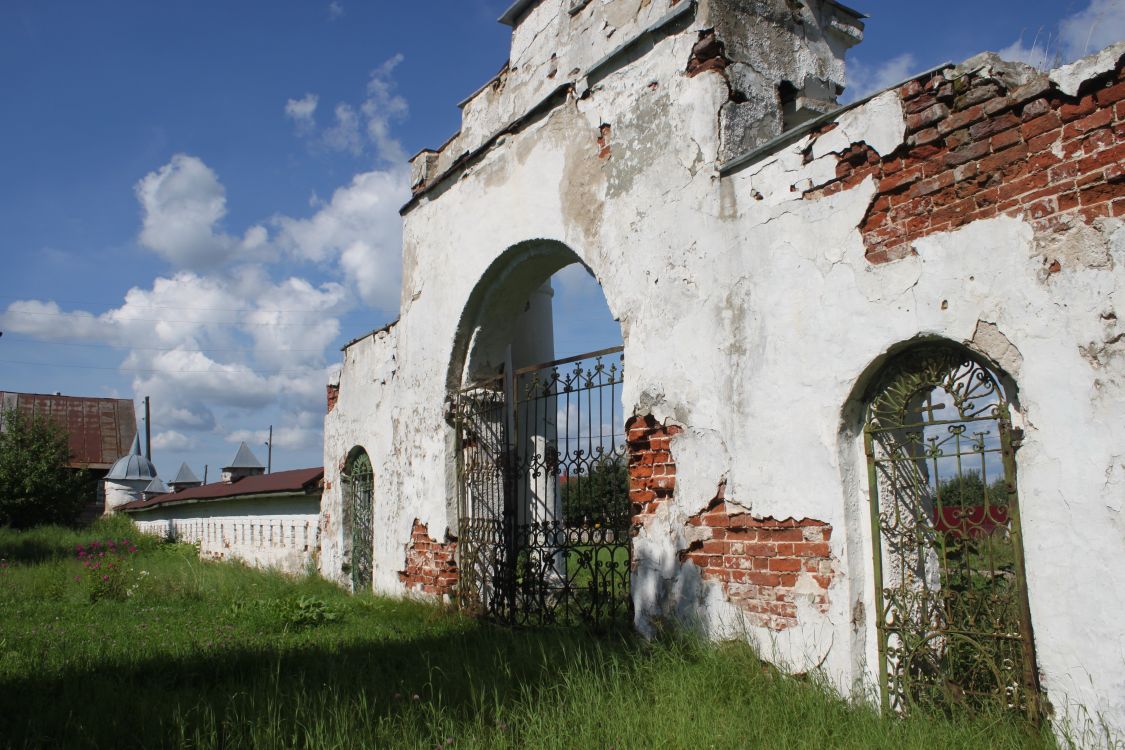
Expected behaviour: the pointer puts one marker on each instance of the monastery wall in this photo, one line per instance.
(758, 297)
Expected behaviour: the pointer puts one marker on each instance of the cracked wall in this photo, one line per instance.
(752, 315)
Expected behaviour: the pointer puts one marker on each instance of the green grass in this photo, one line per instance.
(209, 655)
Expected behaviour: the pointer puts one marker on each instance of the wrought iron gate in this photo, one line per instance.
(952, 614)
(543, 493)
(359, 515)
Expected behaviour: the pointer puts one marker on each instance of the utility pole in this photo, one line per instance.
(269, 453)
(148, 430)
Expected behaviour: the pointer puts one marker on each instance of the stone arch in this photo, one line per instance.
(358, 493)
(494, 305)
(521, 465)
(928, 457)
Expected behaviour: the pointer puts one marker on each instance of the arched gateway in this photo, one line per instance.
(542, 487)
(950, 589)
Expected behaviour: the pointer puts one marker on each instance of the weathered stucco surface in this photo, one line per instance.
(754, 318)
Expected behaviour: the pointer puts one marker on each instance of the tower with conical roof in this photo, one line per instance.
(185, 478)
(128, 478)
(245, 464)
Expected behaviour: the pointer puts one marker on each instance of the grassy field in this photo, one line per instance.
(163, 650)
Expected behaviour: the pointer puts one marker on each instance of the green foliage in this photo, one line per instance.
(968, 491)
(35, 485)
(300, 611)
(599, 496)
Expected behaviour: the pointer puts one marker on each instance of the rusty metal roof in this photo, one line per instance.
(100, 429)
(278, 483)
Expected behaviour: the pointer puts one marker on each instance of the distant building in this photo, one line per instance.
(185, 478)
(129, 478)
(267, 520)
(245, 464)
(99, 430)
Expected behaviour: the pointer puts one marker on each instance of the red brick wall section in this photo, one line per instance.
(652, 472)
(333, 396)
(766, 566)
(431, 566)
(975, 149)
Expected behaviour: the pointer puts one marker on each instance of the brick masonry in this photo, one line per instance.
(333, 396)
(652, 472)
(976, 149)
(431, 566)
(766, 566)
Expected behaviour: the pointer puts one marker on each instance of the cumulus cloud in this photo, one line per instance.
(1096, 26)
(864, 79)
(172, 441)
(360, 227)
(238, 331)
(361, 128)
(303, 112)
(193, 416)
(182, 204)
(345, 135)
(1101, 24)
(291, 437)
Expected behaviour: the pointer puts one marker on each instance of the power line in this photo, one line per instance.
(26, 340)
(160, 307)
(91, 316)
(154, 371)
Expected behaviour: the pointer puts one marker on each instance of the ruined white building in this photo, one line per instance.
(874, 393)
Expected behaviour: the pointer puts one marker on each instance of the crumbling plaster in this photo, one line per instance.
(751, 318)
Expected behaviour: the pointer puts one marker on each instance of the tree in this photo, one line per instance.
(601, 495)
(36, 487)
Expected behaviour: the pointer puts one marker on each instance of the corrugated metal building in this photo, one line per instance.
(100, 430)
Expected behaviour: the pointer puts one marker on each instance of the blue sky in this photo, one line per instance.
(199, 199)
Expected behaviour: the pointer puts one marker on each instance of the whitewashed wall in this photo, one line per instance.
(279, 533)
(752, 319)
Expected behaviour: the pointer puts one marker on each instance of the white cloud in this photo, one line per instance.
(303, 112)
(291, 437)
(1096, 26)
(1102, 23)
(335, 10)
(381, 107)
(1041, 52)
(344, 135)
(866, 79)
(191, 416)
(172, 441)
(183, 202)
(356, 129)
(361, 227)
(47, 321)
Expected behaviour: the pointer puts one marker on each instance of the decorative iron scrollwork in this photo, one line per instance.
(544, 528)
(953, 622)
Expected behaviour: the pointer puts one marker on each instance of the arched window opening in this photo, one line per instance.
(953, 621)
(542, 477)
(358, 517)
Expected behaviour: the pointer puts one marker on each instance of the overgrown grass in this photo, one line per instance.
(208, 655)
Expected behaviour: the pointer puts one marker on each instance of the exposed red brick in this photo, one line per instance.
(431, 566)
(333, 397)
(1032, 152)
(762, 561)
